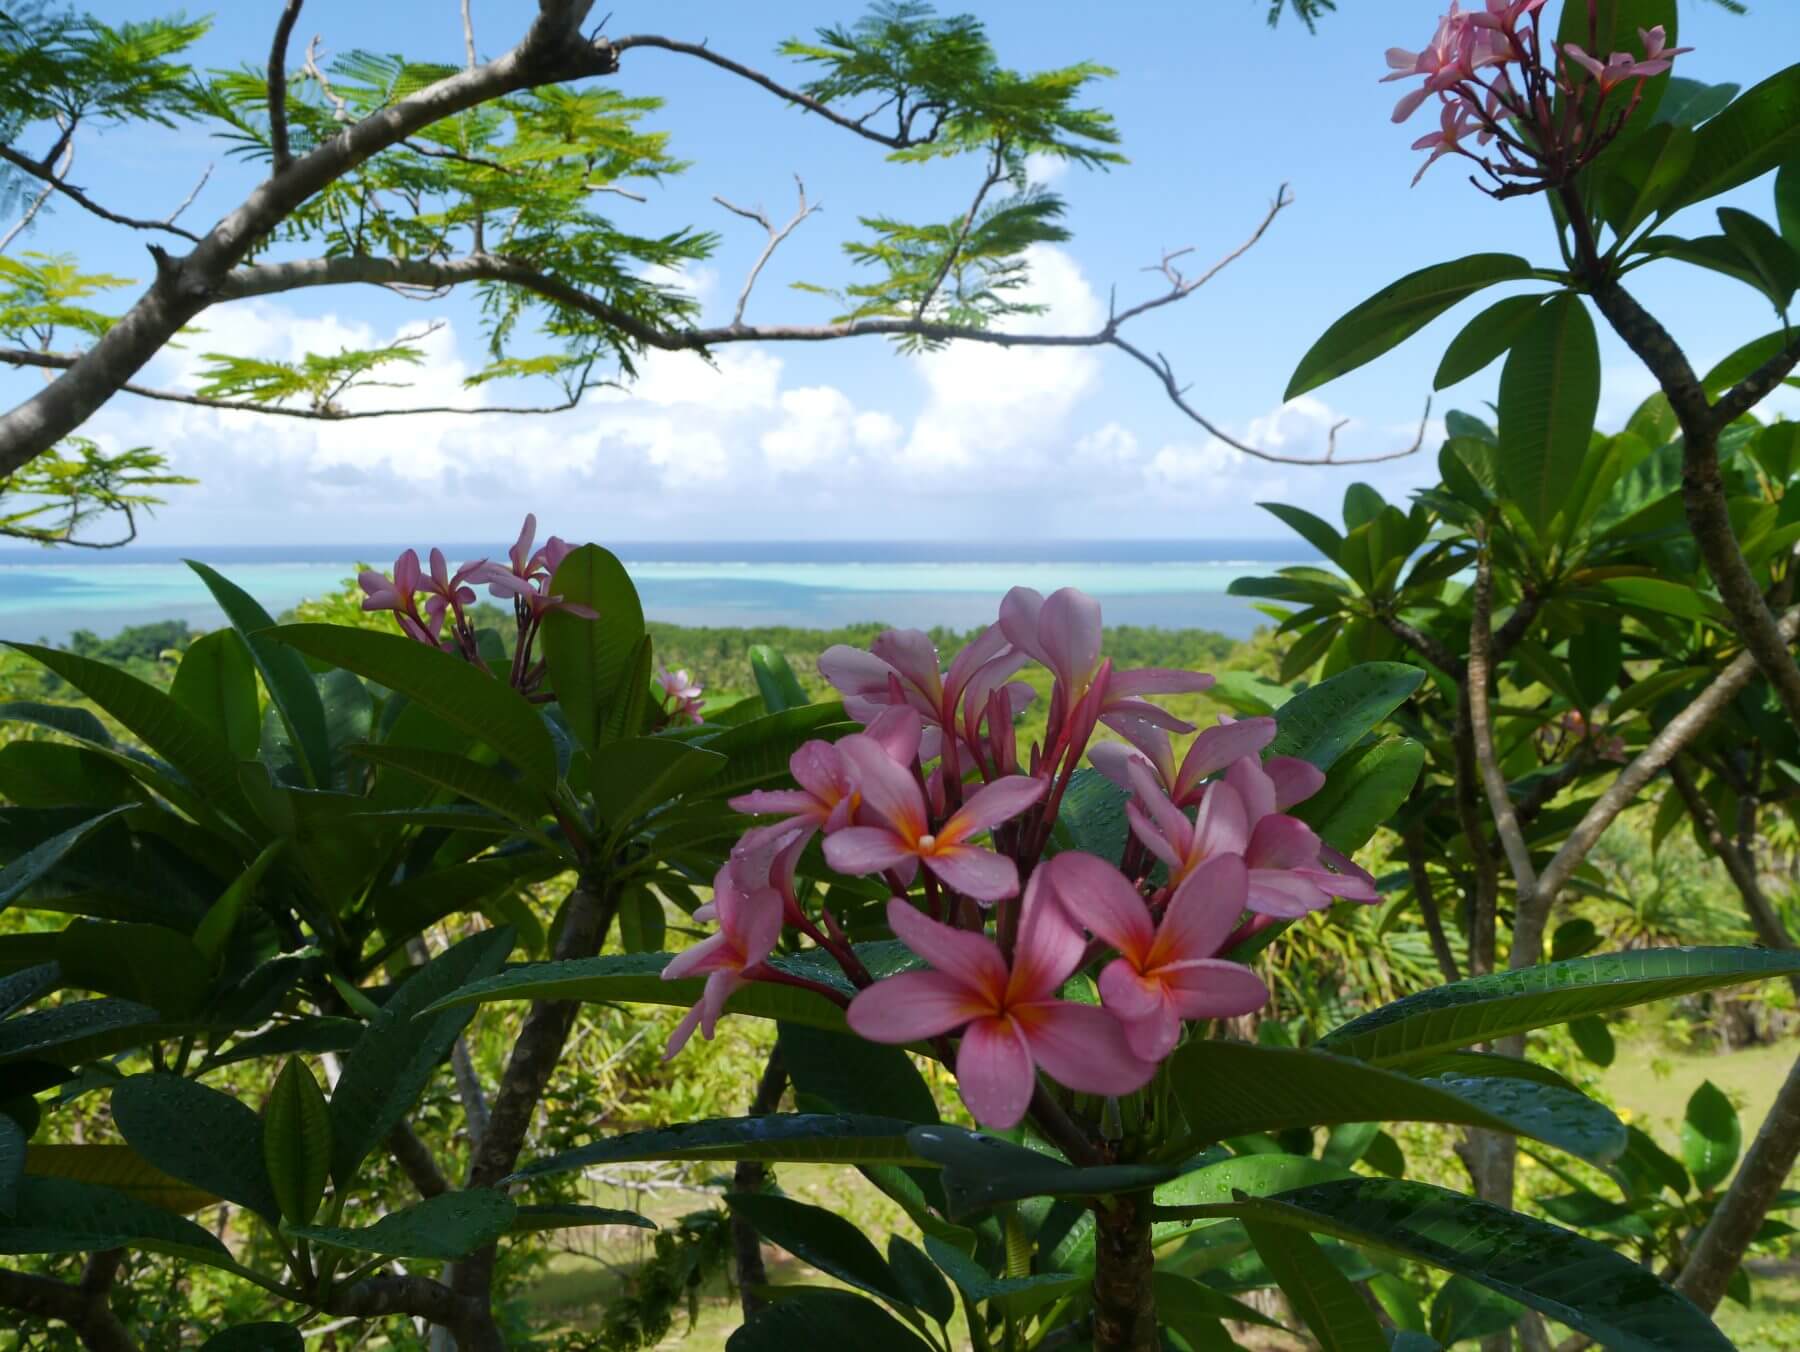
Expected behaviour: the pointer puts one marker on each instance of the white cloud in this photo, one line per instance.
(1044, 170)
(818, 423)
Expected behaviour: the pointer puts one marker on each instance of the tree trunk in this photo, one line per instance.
(1124, 1304)
(752, 1176)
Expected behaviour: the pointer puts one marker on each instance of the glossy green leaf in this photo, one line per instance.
(590, 660)
(981, 1171)
(1462, 1309)
(1485, 1008)
(775, 680)
(1643, 175)
(480, 784)
(1485, 339)
(1743, 362)
(1325, 720)
(756, 753)
(1398, 311)
(265, 1337)
(36, 864)
(448, 1226)
(149, 964)
(216, 682)
(1320, 534)
(1688, 103)
(62, 1215)
(821, 1238)
(54, 774)
(1758, 132)
(12, 1164)
(825, 1319)
(283, 670)
(1769, 256)
(82, 1030)
(388, 1068)
(635, 775)
(817, 1138)
(1787, 201)
(573, 1216)
(296, 1142)
(1594, 1039)
(420, 902)
(193, 747)
(1323, 1298)
(636, 978)
(313, 1035)
(920, 1279)
(120, 1169)
(981, 1286)
(855, 1076)
(1711, 1137)
(1573, 1280)
(1549, 394)
(198, 1135)
(1234, 1089)
(458, 693)
(216, 927)
(1364, 790)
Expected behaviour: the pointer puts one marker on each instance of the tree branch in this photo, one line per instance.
(1757, 386)
(1428, 907)
(996, 172)
(278, 123)
(81, 199)
(56, 176)
(751, 1176)
(1493, 781)
(775, 238)
(82, 1307)
(415, 1161)
(1434, 652)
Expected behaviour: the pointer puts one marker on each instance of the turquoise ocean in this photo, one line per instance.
(45, 595)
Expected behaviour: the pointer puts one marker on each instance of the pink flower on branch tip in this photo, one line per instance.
(1212, 751)
(1623, 66)
(894, 830)
(825, 800)
(681, 690)
(749, 925)
(1167, 973)
(1013, 1025)
(526, 582)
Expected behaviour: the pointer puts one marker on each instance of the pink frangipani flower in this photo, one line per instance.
(894, 830)
(1165, 973)
(1623, 66)
(1212, 751)
(1013, 1025)
(825, 800)
(749, 925)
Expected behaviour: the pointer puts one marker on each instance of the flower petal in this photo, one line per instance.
(911, 653)
(1049, 946)
(1282, 842)
(865, 849)
(1279, 892)
(887, 790)
(900, 731)
(913, 1006)
(1069, 630)
(994, 1073)
(1157, 681)
(766, 802)
(1295, 780)
(819, 770)
(1221, 825)
(851, 671)
(709, 955)
(1020, 609)
(1253, 786)
(1096, 895)
(1215, 989)
(992, 804)
(1153, 1036)
(973, 871)
(1203, 912)
(1128, 992)
(968, 958)
(1082, 1047)
(1216, 748)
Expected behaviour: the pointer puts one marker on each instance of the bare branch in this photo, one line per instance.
(278, 123)
(81, 199)
(996, 172)
(61, 361)
(37, 203)
(469, 33)
(804, 101)
(1757, 386)
(188, 201)
(82, 1307)
(1481, 726)
(775, 237)
(315, 72)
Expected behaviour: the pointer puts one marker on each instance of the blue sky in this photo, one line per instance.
(854, 440)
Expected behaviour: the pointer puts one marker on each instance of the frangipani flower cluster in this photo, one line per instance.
(934, 799)
(1539, 113)
(524, 580)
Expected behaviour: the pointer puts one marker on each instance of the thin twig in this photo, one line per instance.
(775, 237)
(469, 34)
(313, 70)
(188, 201)
(37, 203)
(996, 172)
(81, 199)
(280, 156)
(1481, 725)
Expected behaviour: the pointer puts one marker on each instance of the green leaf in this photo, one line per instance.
(775, 680)
(1234, 1089)
(216, 927)
(1323, 1298)
(198, 1135)
(388, 1068)
(835, 1246)
(1363, 792)
(35, 864)
(1461, 1309)
(590, 659)
(1320, 534)
(1758, 132)
(813, 1138)
(1769, 256)
(1607, 26)
(1485, 338)
(12, 1164)
(266, 1337)
(120, 1169)
(573, 1216)
(61, 1215)
(448, 1226)
(825, 1319)
(420, 902)
(216, 682)
(635, 775)
(149, 964)
(297, 1142)
(1688, 103)
(1711, 1137)
(980, 1286)
(458, 693)
(1594, 1039)
(636, 978)
(1549, 394)
(919, 1277)
(981, 1171)
(1485, 1008)
(1575, 1281)
(465, 778)
(1325, 720)
(81, 1031)
(757, 752)
(1398, 311)
(1787, 201)
(1641, 177)
(855, 1076)
(177, 735)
